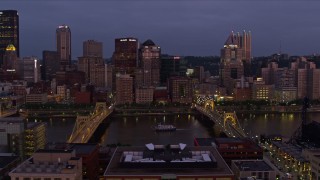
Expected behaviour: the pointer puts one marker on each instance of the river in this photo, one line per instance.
(137, 130)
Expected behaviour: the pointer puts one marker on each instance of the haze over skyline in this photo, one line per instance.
(178, 27)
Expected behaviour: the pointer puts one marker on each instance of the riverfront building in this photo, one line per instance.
(180, 89)
(144, 95)
(253, 168)
(232, 148)
(124, 89)
(89, 153)
(20, 137)
(50, 165)
(39, 98)
(167, 162)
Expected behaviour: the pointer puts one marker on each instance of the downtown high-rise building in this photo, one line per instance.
(231, 64)
(10, 67)
(51, 64)
(94, 69)
(180, 89)
(63, 34)
(125, 56)
(170, 67)
(124, 89)
(9, 31)
(92, 48)
(245, 44)
(150, 63)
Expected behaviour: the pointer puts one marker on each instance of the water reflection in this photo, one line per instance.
(142, 132)
(137, 130)
(281, 123)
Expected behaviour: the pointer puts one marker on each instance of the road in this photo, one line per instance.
(230, 130)
(91, 123)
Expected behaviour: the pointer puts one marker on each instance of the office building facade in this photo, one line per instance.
(180, 89)
(125, 56)
(149, 55)
(63, 35)
(94, 69)
(51, 63)
(92, 48)
(9, 31)
(231, 65)
(10, 68)
(30, 67)
(124, 89)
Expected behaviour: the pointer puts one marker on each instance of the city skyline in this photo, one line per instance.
(186, 27)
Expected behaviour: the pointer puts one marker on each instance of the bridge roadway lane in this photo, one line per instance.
(83, 135)
(230, 130)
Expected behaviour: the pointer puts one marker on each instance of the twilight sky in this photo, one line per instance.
(180, 27)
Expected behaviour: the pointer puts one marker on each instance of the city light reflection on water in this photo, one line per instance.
(137, 130)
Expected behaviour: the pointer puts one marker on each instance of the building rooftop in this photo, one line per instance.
(12, 120)
(252, 165)
(6, 160)
(29, 166)
(54, 150)
(79, 148)
(55, 162)
(148, 42)
(172, 159)
(220, 143)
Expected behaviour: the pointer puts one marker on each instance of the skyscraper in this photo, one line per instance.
(94, 68)
(150, 63)
(245, 45)
(64, 45)
(125, 56)
(10, 67)
(231, 65)
(51, 64)
(9, 31)
(124, 89)
(170, 66)
(92, 48)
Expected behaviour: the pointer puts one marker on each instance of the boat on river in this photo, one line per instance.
(164, 127)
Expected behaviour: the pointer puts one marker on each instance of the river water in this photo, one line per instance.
(137, 130)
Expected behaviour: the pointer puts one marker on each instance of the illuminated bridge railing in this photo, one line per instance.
(85, 126)
(230, 128)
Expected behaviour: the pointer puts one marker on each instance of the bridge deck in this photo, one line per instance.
(229, 129)
(84, 133)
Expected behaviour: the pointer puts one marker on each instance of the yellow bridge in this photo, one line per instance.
(227, 122)
(85, 126)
